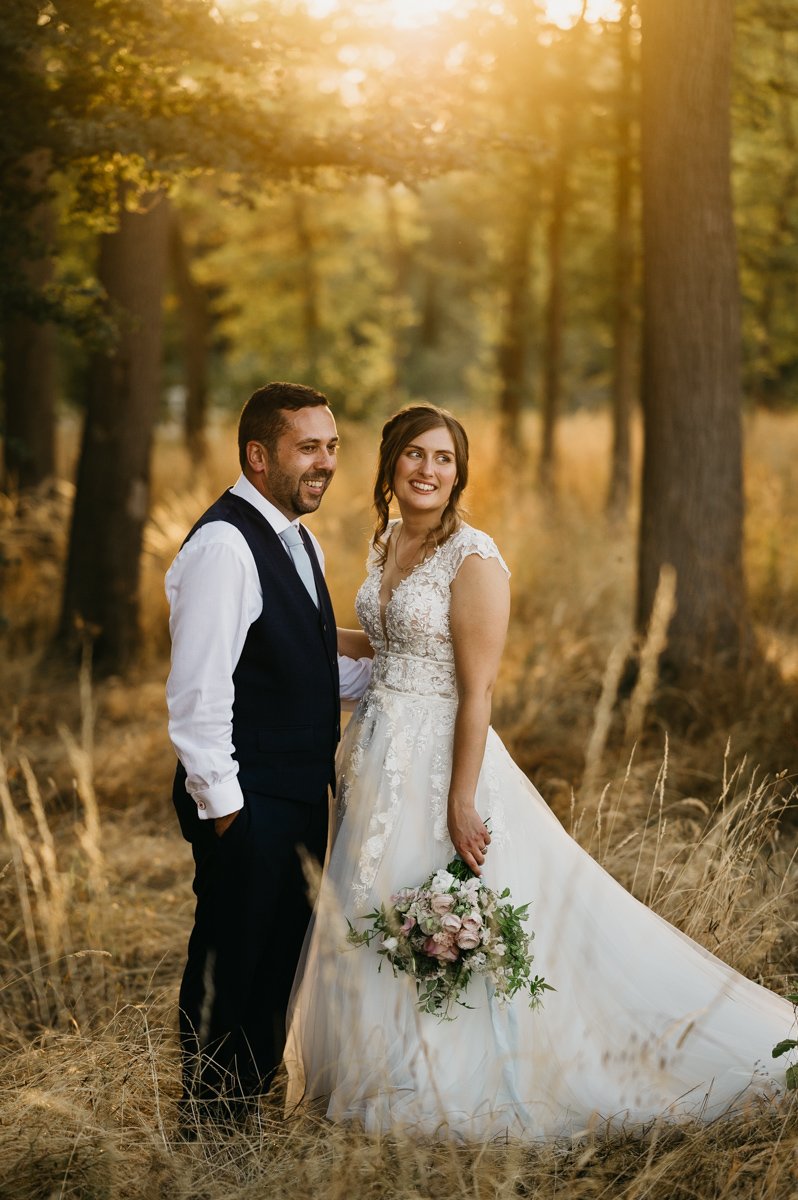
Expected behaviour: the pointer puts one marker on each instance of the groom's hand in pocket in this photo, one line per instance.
(222, 824)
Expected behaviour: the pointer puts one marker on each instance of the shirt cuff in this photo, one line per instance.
(355, 674)
(219, 800)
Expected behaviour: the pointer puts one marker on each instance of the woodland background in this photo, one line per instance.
(573, 224)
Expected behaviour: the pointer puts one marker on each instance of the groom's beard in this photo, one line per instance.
(292, 494)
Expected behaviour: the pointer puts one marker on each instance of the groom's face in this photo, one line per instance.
(296, 472)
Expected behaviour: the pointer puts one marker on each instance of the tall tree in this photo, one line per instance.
(28, 338)
(624, 382)
(692, 499)
(555, 308)
(112, 497)
(513, 349)
(195, 319)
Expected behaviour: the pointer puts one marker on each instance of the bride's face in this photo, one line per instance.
(426, 472)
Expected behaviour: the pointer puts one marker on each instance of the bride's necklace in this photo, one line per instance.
(416, 559)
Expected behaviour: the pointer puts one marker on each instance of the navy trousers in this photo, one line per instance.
(251, 916)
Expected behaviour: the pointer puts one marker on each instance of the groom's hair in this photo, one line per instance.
(263, 416)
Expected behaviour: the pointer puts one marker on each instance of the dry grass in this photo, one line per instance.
(95, 897)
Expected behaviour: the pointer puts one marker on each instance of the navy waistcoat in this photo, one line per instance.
(286, 712)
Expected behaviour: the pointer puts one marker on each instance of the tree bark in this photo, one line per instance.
(624, 381)
(196, 322)
(429, 330)
(514, 342)
(780, 235)
(398, 296)
(28, 346)
(309, 284)
(112, 497)
(555, 309)
(692, 496)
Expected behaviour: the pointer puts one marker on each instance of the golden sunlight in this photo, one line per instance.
(566, 12)
(404, 14)
(412, 14)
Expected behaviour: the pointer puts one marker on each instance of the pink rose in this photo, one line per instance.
(451, 922)
(407, 924)
(468, 939)
(442, 950)
(441, 903)
(473, 921)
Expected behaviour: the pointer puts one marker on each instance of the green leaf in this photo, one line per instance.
(792, 1079)
(784, 1047)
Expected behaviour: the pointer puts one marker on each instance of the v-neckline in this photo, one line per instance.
(383, 609)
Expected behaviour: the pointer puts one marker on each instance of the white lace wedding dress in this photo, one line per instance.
(644, 1022)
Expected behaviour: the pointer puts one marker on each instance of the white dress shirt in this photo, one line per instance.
(214, 595)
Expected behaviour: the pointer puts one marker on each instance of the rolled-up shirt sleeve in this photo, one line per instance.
(213, 600)
(354, 675)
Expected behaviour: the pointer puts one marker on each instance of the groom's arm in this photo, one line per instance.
(214, 596)
(353, 643)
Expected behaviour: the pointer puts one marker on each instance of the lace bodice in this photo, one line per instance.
(405, 720)
(414, 650)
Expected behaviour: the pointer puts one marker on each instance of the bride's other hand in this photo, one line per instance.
(478, 620)
(470, 836)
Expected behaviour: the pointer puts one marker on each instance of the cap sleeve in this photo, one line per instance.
(468, 541)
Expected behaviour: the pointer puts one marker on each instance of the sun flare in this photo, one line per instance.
(413, 14)
(403, 14)
(565, 12)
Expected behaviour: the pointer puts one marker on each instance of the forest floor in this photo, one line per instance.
(697, 819)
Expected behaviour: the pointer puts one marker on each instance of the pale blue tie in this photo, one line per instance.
(301, 559)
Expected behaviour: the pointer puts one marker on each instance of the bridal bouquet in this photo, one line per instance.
(450, 927)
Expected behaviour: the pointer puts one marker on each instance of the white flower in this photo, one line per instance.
(478, 961)
(441, 881)
(390, 943)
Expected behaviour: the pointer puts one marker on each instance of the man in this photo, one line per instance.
(254, 716)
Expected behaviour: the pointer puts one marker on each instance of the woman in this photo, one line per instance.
(644, 1022)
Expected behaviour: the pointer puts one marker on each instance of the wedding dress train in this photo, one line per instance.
(644, 1022)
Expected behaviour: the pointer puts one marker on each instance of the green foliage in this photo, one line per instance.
(378, 293)
(785, 1046)
(766, 181)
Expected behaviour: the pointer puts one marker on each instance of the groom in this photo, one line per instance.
(254, 716)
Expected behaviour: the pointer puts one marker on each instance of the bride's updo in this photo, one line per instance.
(401, 429)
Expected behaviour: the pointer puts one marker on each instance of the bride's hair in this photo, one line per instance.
(402, 428)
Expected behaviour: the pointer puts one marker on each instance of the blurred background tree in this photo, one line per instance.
(386, 200)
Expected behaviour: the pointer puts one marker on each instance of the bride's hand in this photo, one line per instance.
(469, 836)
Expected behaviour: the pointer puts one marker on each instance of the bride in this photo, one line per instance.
(644, 1022)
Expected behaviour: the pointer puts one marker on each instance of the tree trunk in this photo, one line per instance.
(196, 322)
(112, 499)
(309, 285)
(692, 501)
(780, 234)
(429, 331)
(397, 315)
(514, 343)
(28, 347)
(552, 345)
(623, 387)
